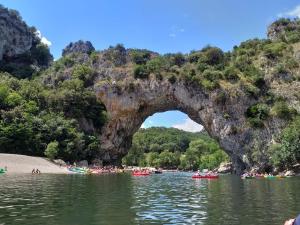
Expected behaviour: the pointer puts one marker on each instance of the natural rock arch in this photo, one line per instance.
(130, 102)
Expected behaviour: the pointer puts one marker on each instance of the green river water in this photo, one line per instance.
(169, 198)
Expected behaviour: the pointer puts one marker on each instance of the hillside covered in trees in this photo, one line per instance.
(172, 148)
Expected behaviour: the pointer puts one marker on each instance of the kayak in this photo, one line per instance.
(78, 170)
(270, 177)
(2, 170)
(157, 171)
(205, 176)
(247, 177)
(140, 174)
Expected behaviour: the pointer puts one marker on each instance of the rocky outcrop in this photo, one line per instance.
(78, 47)
(60, 162)
(15, 36)
(130, 102)
(22, 52)
(278, 29)
(224, 168)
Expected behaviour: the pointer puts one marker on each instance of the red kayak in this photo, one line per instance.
(205, 176)
(141, 174)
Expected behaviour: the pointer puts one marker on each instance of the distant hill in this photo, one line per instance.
(173, 148)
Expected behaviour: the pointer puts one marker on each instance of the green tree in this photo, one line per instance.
(140, 71)
(52, 150)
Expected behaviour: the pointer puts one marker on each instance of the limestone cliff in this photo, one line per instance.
(15, 36)
(130, 102)
(21, 51)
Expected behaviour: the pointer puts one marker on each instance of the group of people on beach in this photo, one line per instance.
(35, 171)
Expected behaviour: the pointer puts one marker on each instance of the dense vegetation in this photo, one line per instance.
(286, 152)
(36, 119)
(172, 148)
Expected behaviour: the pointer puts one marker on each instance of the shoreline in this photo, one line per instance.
(22, 164)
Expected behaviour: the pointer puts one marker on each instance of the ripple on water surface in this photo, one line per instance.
(169, 198)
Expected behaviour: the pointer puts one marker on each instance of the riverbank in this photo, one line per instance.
(25, 164)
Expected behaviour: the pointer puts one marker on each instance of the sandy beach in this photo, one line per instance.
(25, 164)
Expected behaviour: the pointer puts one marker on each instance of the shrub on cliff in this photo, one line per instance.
(157, 64)
(212, 56)
(140, 56)
(117, 55)
(256, 114)
(84, 73)
(209, 85)
(141, 72)
(177, 59)
(274, 50)
(231, 73)
(282, 110)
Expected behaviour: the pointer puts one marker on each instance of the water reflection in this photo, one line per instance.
(61, 199)
(170, 198)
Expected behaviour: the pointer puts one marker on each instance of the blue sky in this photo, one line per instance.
(159, 25)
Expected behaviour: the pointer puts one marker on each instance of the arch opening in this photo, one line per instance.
(171, 140)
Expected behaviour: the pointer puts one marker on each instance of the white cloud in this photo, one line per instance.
(175, 30)
(44, 40)
(143, 126)
(292, 13)
(189, 125)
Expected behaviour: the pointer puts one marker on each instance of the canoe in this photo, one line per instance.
(2, 170)
(141, 174)
(248, 177)
(205, 176)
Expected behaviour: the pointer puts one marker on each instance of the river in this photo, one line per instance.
(169, 198)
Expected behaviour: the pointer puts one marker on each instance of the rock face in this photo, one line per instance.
(78, 47)
(60, 162)
(224, 168)
(130, 102)
(15, 36)
(278, 29)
